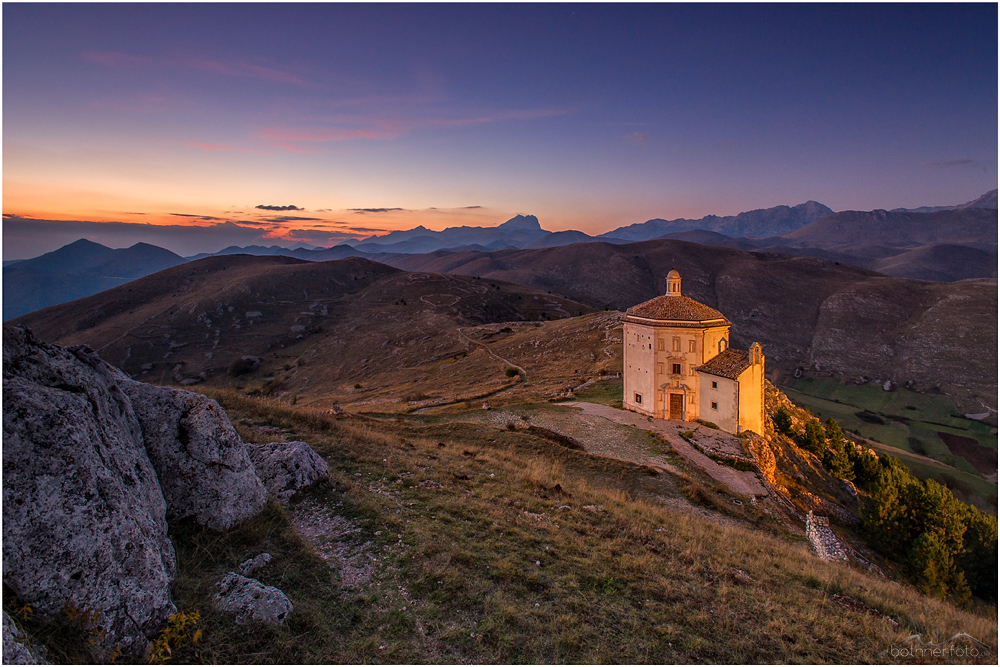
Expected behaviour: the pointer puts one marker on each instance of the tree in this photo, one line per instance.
(782, 421)
(866, 466)
(979, 555)
(885, 515)
(931, 564)
(833, 432)
(835, 460)
(813, 439)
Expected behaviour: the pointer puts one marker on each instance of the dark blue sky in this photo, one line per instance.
(589, 116)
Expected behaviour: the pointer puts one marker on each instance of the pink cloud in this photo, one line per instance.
(218, 147)
(243, 69)
(232, 68)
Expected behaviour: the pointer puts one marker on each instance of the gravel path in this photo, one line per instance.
(744, 483)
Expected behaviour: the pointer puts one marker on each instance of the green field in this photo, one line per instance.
(909, 429)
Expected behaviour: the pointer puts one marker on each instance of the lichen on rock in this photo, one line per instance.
(251, 601)
(287, 467)
(202, 464)
(84, 521)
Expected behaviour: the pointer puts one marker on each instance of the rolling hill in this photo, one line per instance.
(352, 330)
(806, 312)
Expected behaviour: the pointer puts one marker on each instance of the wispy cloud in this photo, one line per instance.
(289, 218)
(219, 147)
(197, 216)
(948, 163)
(271, 207)
(351, 128)
(238, 68)
(229, 68)
(373, 210)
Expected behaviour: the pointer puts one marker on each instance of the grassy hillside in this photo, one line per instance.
(472, 544)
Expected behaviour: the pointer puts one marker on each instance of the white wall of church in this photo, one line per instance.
(719, 403)
(752, 398)
(639, 367)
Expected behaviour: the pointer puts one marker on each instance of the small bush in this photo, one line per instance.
(708, 424)
(241, 367)
(511, 372)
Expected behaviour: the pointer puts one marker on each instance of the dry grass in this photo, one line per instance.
(528, 551)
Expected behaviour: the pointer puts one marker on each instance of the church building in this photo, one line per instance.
(678, 364)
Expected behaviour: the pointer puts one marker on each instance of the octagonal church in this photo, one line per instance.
(678, 364)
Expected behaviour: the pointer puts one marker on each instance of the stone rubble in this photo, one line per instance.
(254, 564)
(823, 540)
(250, 601)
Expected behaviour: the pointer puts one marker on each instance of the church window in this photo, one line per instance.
(692, 346)
(659, 368)
(715, 406)
(722, 346)
(638, 399)
(715, 385)
(661, 346)
(677, 345)
(677, 369)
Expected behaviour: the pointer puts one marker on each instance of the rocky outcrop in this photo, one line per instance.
(251, 601)
(203, 466)
(93, 464)
(84, 522)
(287, 467)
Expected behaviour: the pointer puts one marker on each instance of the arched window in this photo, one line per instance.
(723, 344)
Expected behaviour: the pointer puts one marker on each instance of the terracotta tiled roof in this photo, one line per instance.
(728, 364)
(675, 308)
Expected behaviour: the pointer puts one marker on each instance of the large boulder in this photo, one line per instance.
(203, 466)
(249, 601)
(287, 467)
(84, 523)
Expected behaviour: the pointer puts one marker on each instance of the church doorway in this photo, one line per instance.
(676, 406)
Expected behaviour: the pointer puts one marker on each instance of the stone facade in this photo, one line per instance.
(678, 364)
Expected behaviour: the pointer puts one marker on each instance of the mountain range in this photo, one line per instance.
(77, 270)
(949, 244)
(388, 323)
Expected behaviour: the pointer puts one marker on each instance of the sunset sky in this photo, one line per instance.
(347, 120)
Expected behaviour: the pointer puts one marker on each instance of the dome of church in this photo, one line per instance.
(676, 308)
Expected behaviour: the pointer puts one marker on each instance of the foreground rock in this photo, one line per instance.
(202, 464)
(251, 601)
(93, 464)
(15, 652)
(287, 467)
(84, 521)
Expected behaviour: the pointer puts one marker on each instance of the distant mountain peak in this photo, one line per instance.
(522, 222)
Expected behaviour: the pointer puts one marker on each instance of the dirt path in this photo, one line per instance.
(524, 373)
(744, 483)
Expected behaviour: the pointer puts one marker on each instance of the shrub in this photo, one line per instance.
(708, 424)
(241, 367)
(511, 372)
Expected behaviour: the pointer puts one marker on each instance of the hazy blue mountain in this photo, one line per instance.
(988, 200)
(760, 222)
(77, 270)
(517, 232)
